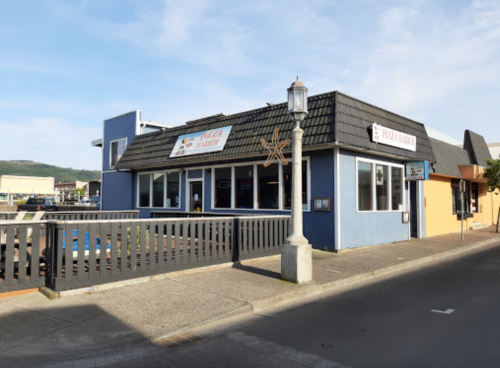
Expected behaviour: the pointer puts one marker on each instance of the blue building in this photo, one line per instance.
(354, 154)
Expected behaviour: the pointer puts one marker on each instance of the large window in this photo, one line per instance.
(268, 186)
(380, 186)
(244, 186)
(117, 148)
(160, 190)
(223, 187)
(173, 185)
(253, 186)
(287, 186)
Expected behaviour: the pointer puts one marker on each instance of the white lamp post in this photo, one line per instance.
(296, 254)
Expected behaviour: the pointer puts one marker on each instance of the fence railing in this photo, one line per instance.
(90, 215)
(7, 215)
(22, 245)
(183, 214)
(78, 253)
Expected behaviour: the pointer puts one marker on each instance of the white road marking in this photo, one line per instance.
(448, 311)
(308, 360)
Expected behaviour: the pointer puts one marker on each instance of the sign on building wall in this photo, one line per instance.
(391, 137)
(418, 170)
(201, 142)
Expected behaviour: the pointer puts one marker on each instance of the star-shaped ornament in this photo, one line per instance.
(275, 150)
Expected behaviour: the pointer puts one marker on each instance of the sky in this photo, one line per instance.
(67, 65)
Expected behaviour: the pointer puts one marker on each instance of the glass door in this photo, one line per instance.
(196, 196)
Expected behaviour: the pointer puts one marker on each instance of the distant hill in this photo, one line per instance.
(30, 168)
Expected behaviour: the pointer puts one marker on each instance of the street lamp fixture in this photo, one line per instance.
(297, 102)
(296, 254)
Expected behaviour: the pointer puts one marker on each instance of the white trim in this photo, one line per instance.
(255, 183)
(336, 181)
(374, 187)
(419, 210)
(409, 209)
(150, 173)
(110, 150)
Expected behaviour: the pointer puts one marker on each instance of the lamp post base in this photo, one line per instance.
(296, 262)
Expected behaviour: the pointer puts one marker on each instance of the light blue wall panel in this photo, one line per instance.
(358, 229)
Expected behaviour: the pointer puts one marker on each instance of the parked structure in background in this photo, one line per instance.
(494, 150)
(65, 189)
(94, 188)
(14, 187)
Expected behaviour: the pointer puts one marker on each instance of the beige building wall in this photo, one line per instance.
(26, 184)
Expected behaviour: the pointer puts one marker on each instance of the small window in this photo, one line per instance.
(117, 148)
(382, 192)
(456, 197)
(144, 190)
(365, 186)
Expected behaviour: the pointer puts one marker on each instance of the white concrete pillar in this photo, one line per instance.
(296, 254)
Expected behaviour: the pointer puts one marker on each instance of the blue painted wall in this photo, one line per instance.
(116, 187)
(359, 229)
(117, 191)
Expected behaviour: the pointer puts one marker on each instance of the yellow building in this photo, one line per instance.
(442, 193)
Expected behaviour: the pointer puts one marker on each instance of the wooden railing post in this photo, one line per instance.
(235, 240)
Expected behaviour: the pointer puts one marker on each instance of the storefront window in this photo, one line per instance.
(158, 189)
(268, 186)
(222, 188)
(244, 186)
(287, 186)
(365, 186)
(381, 178)
(474, 197)
(380, 183)
(172, 190)
(397, 188)
(144, 190)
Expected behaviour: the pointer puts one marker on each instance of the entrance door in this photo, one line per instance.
(196, 196)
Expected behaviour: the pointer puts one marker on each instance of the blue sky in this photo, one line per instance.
(65, 66)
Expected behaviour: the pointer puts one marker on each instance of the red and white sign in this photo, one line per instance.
(391, 137)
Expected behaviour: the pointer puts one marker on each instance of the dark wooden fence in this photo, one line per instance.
(182, 214)
(21, 247)
(70, 254)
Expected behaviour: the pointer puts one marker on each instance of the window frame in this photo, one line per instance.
(255, 184)
(373, 164)
(111, 151)
(151, 175)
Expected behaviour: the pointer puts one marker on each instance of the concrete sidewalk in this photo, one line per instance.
(33, 325)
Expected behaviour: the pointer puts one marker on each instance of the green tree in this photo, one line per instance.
(80, 191)
(492, 174)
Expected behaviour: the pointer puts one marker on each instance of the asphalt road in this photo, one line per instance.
(388, 324)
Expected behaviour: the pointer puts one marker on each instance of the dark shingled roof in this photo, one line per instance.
(477, 148)
(448, 158)
(333, 117)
